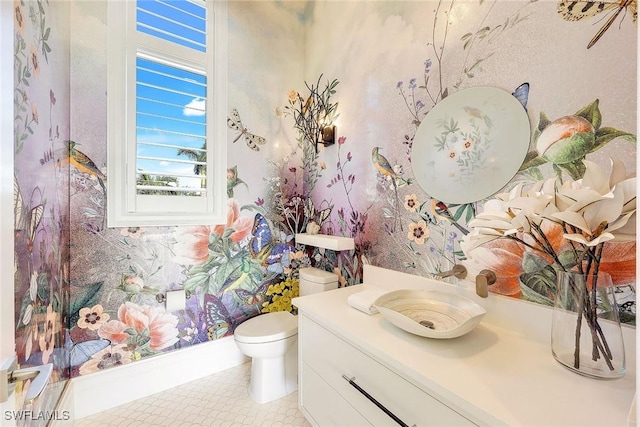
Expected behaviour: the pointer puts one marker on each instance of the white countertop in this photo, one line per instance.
(499, 373)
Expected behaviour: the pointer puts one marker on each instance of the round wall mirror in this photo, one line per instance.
(470, 145)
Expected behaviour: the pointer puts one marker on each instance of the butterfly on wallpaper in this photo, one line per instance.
(263, 247)
(312, 214)
(82, 351)
(26, 218)
(253, 297)
(252, 140)
(522, 94)
(74, 353)
(216, 317)
(577, 10)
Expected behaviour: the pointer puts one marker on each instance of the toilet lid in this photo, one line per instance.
(267, 327)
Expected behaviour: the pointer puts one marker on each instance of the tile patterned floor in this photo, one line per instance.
(218, 400)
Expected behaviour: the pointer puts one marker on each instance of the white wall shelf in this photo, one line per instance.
(336, 243)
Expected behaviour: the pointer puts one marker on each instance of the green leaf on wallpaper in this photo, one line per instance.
(532, 159)
(575, 169)
(543, 122)
(195, 281)
(608, 134)
(229, 271)
(591, 112)
(89, 297)
(46, 34)
(529, 294)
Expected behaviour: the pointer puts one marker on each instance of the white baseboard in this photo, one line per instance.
(93, 393)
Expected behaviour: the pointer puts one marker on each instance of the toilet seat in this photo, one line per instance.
(266, 328)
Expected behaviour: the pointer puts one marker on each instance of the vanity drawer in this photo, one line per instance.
(330, 358)
(325, 407)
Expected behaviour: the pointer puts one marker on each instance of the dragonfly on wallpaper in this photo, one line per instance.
(234, 122)
(578, 10)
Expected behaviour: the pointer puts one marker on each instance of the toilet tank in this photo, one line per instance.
(314, 280)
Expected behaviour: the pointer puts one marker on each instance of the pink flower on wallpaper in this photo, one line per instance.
(192, 247)
(242, 225)
(155, 322)
(114, 331)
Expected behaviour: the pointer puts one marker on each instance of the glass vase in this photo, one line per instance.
(586, 336)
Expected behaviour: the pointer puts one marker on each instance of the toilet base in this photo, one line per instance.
(272, 378)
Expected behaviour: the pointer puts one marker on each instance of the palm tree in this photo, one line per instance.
(199, 156)
(156, 180)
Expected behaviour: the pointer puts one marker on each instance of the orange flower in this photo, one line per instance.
(505, 257)
(242, 225)
(619, 260)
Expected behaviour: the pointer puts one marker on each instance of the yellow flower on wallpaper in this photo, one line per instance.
(281, 295)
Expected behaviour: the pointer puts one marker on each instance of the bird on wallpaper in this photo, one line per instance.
(84, 164)
(478, 114)
(440, 210)
(384, 167)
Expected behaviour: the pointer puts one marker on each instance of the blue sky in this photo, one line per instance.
(174, 117)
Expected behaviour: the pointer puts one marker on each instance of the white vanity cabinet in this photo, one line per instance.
(501, 373)
(327, 397)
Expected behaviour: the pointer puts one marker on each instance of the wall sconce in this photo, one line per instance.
(328, 136)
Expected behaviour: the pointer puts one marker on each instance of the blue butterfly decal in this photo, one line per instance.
(522, 94)
(262, 246)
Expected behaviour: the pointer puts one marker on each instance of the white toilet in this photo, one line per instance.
(271, 340)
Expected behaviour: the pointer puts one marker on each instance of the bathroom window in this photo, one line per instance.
(166, 102)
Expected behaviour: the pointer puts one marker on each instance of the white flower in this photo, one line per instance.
(599, 204)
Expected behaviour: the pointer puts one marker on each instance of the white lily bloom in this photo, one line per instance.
(601, 205)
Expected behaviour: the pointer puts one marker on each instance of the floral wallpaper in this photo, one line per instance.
(90, 290)
(41, 199)
(405, 58)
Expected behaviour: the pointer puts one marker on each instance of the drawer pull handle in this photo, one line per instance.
(352, 381)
